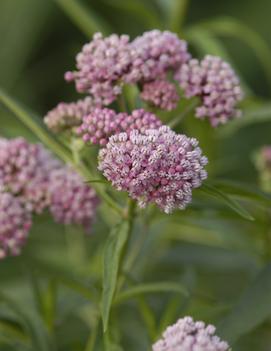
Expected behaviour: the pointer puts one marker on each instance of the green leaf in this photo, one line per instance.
(102, 181)
(31, 322)
(232, 27)
(142, 11)
(253, 308)
(149, 288)
(12, 331)
(252, 115)
(111, 261)
(85, 19)
(205, 42)
(243, 191)
(234, 205)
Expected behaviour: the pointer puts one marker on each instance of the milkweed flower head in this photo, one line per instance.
(187, 335)
(154, 53)
(68, 115)
(157, 166)
(71, 200)
(101, 65)
(161, 94)
(15, 223)
(105, 64)
(24, 171)
(102, 123)
(215, 82)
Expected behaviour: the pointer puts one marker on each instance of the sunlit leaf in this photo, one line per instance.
(111, 261)
(253, 308)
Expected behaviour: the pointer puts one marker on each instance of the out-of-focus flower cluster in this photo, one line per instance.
(218, 87)
(157, 166)
(32, 180)
(161, 94)
(187, 335)
(68, 115)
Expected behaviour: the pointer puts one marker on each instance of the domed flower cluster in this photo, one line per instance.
(102, 123)
(154, 53)
(156, 166)
(32, 180)
(24, 171)
(67, 115)
(161, 94)
(218, 87)
(15, 223)
(105, 64)
(71, 201)
(101, 65)
(187, 335)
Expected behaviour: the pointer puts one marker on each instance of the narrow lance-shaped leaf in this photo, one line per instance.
(140, 11)
(234, 205)
(253, 308)
(83, 17)
(31, 322)
(111, 261)
(243, 191)
(231, 27)
(148, 288)
(205, 43)
(252, 115)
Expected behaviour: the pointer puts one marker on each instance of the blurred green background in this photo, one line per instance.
(208, 247)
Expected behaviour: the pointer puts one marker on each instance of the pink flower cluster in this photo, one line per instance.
(187, 335)
(160, 93)
(156, 166)
(154, 53)
(105, 64)
(24, 171)
(102, 123)
(218, 87)
(32, 180)
(15, 223)
(101, 65)
(71, 201)
(67, 115)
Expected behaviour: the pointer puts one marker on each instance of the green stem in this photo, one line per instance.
(267, 240)
(90, 346)
(178, 15)
(193, 104)
(131, 218)
(122, 104)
